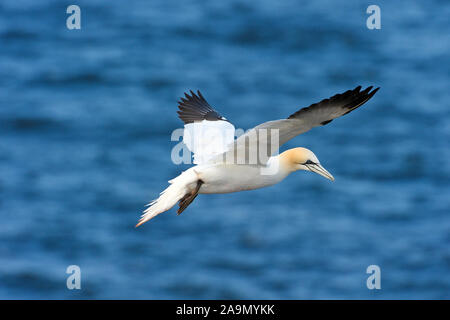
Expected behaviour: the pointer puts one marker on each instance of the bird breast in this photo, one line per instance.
(226, 178)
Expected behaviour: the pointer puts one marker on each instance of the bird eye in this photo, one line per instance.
(309, 162)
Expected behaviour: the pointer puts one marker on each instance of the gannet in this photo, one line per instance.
(223, 164)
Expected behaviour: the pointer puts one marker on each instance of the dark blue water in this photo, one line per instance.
(85, 123)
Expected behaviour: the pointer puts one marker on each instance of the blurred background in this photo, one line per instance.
(85, 123)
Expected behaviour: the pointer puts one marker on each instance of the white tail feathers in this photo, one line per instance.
(170, 196)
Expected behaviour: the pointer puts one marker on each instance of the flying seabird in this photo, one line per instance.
(224, 164)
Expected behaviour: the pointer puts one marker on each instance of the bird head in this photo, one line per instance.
(304, 159)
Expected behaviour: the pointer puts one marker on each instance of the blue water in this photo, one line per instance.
(85, 123)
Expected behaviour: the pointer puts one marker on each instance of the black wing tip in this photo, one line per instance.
(375, 90)
(360, 97)
(351, 99)
(191, 95)
(194, 108)
(367, 90)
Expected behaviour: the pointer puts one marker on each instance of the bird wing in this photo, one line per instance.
(243, 149)
(206, 133)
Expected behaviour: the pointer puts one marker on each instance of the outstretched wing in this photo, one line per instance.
(317, 114)
(325, 111)
(206, 133)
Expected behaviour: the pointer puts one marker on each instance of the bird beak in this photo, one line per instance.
(317, 168)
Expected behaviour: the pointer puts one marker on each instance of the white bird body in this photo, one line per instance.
(223, 166)
(227, 178)
(216, 178)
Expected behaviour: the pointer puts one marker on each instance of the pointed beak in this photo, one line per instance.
(317, 168)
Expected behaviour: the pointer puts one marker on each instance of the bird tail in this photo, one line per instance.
(178, 188)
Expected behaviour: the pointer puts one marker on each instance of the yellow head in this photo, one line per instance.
(303, 159)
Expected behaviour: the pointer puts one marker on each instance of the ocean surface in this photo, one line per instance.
(85, 123)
